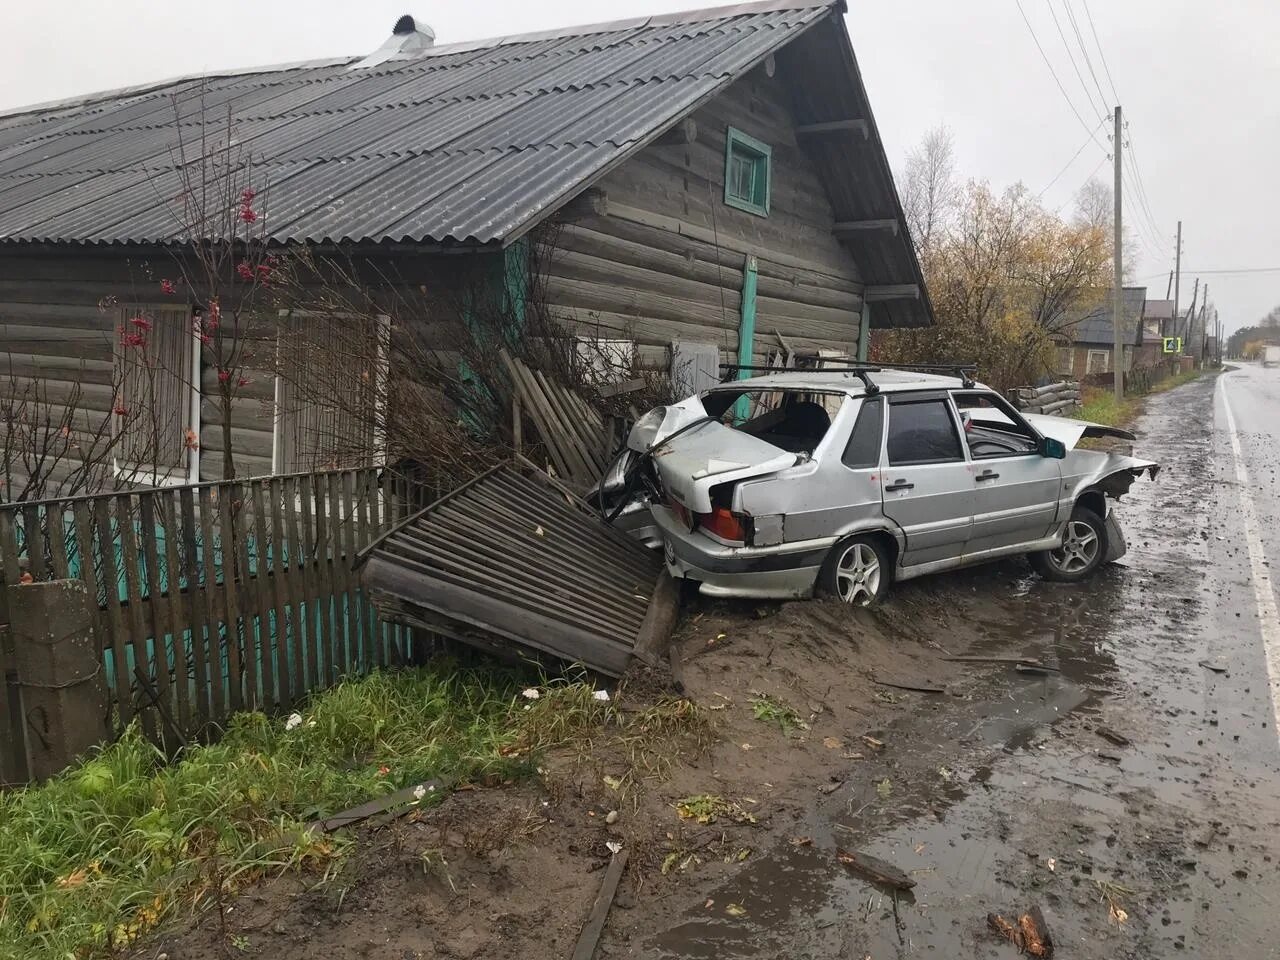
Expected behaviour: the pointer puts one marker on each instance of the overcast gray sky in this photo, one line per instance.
(1198, 83)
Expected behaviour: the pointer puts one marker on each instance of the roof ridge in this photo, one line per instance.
(700, 15)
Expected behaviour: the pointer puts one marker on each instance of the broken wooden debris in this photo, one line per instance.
(1033, 669)
(393, 805)
(1030, 934)
(915, 686)
(589, 939)
(1025, 661)
(874, 869)
(1106, 733)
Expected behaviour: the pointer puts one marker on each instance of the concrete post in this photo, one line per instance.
(59, 669)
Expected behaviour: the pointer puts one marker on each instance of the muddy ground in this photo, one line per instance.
(1131, 792)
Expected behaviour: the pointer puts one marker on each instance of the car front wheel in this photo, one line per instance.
(857, 571)
(1084, 547)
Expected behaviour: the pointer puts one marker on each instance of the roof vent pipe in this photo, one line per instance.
(409, 38)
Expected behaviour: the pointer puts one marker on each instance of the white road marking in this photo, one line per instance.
(1263, 592)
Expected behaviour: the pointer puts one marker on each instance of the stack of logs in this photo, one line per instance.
(1061, 399)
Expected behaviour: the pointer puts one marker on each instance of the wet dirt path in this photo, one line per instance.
(1166, 844)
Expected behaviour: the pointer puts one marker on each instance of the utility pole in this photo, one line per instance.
(1177, 280)
(1117, 293)
(1185, 329)
(1204, 323)
(1168, 289)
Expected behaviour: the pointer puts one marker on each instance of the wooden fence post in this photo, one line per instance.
(59, 670)
(13, 751)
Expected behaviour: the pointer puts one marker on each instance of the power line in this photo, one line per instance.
(1088, 61)
(1237, 270)
(1142, 186)
(1072, 57)
(1053, 73)
(1106, 69)
(1068, 164)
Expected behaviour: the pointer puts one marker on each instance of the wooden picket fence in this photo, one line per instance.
(212, 598)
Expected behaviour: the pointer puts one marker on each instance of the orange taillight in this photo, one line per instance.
(724, 523)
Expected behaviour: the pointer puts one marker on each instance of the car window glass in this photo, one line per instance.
(991, 429)
(922, 432)
(863, 449)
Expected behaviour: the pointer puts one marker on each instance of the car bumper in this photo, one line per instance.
(786, 571)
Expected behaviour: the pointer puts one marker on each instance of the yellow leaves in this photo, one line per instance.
(77, 878)
(144, 920)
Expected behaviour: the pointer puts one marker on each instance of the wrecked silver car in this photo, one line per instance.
(845, 481)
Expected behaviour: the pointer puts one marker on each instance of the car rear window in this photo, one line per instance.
(922, 431)
(863, 449)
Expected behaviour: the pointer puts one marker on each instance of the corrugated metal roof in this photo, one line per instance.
(1096, 326)
(470, 142)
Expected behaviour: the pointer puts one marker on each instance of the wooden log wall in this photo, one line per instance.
(662, 257)
(216, 597)
(58, 331)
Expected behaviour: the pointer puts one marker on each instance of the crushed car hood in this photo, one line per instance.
(707, 455)
(1070, 431)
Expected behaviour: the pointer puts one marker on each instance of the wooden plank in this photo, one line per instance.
(351, 544)
(288, 652)
(539, 413)
(135, 623)
(159, 622)
(213, 615)
(316, 629)
(194, 607)
(364, 535)
(9, 545)
(299, 631)
(115, 616)
(585, 948)
(585, 446)
(239, 645)
(56, 523)
(341, 571)
(179, 619)
(834, 126)
(33, 538)
(264, 601)
(874, 869)
(83, 523)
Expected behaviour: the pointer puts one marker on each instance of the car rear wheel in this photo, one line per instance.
(857, 571)
(1084, 547)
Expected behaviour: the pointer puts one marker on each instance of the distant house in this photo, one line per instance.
(714, 177)
(1157, 320)
(1091, 343)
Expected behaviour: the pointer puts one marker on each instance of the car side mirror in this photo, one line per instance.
(1049, 447)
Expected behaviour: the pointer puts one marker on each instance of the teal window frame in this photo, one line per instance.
(740, 145)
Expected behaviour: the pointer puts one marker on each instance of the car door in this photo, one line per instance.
(927, 488)
(1016, 488)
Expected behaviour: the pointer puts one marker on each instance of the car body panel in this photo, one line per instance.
(807, 502)
(1016, 500)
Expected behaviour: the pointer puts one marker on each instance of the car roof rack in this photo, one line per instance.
(860, 368)
(861, 371)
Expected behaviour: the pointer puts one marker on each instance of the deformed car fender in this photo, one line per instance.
(1111, 474)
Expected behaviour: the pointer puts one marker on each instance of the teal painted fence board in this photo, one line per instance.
(219, 595)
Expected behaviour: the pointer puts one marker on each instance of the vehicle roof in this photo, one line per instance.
(889, 381)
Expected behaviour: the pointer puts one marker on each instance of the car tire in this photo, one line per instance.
(1083, 550)
(857, 571)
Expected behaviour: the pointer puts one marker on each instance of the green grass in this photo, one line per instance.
(1101, 406)
(92, 860)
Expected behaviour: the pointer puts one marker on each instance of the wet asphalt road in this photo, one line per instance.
(1166, 846)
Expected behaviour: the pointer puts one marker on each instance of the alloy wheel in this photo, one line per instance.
(858, 574)
(1080, 546)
